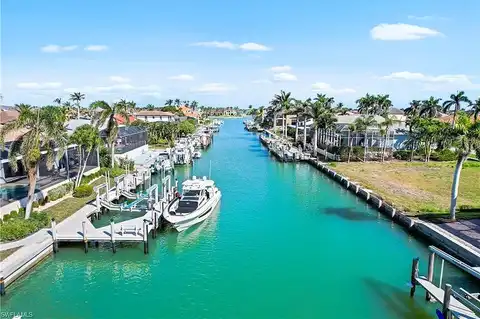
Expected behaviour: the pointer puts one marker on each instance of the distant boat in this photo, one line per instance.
(197, 154)
(197, 202)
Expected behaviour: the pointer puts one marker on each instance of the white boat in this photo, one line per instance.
(198, 200)
(197, 154)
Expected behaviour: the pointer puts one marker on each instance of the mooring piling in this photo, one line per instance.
(145, 236)
(2, 286)
(54, 236)
(84, 233)
(112, 233)
(446, 301)
(413, 276)
(431, 267)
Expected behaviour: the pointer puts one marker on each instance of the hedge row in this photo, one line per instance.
(15, 226)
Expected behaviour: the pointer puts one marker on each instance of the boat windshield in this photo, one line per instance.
(186, 206)
(192, 193)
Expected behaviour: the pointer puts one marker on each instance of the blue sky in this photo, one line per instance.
(237, 52)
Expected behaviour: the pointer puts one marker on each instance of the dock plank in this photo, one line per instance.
(438, 293)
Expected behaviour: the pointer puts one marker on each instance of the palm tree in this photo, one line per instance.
(284, 103)
(467, 140)
(315, 112)
(76, 98)
(352, 128)
(412, 113)
(388, 122)
(475, 110)
(383, 104)
(366, 104)
(186, 103)
(87, 137)
(306, 105)
(431, 107)
(260, 115)
(58, 101)
(341, 109)
(150, 107)
(106, 115)
(169, 102)
(177, 102)
(455, 100)
(45, 131)
(363, 123)
(297, 111)
(194, 105)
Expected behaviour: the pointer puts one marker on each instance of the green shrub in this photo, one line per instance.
(117, 171)
(13, 212)
(21, 212)
(444, 155)
(105, 157)
(6, 218)
(83, 191)
(15, 226)
(468, 208)
(471, 164)
(36, 204)
(402, 155)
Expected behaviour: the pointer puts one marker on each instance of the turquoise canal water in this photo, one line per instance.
(286, 242)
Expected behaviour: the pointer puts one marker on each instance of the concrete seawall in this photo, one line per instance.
(432, 232)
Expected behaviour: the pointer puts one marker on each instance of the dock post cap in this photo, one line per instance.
(111, 220)
(53, 219)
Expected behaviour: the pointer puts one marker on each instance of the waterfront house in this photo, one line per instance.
(189, 113)
(14, 184)
(155, 116)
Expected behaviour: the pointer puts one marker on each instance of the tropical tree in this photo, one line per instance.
(177, 102)
(382, 104)
(283, 102)
(306, 105)
(412, 113)
(475, 110)
(169, 102)
(385, 126)
(297, 110)
(186, 103)
(341, 109)
(76, 98)
(87, 138)
(194, 105)
(58, 101)
(352, 128)
(315, 113)
(467, 136)
(106, 115)
(45, 138)
(414, 109)
(363, 123)
(366, 104)
(455, 101)
(431, 107)
(260, 115)
(150, 107)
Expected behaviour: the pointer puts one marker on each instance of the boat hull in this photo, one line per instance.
(181, 223)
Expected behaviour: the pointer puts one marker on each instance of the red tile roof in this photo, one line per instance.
(121, 120)
(188, 112)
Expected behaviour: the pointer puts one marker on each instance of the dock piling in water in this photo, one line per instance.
(145, 236)
(84, 233)
(112, 232)
(2, 286)
(54, 236)
(431, 267)
(413, 276)
(446, 301)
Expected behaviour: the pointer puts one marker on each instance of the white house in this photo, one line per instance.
(155, 116)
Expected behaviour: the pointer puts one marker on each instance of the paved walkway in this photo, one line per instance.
(468, 230)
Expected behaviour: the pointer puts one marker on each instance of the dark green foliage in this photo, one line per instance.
(444, 155)
(402, 155)
(84, 190)
(60, 191)
(14, 226)
(105, 156)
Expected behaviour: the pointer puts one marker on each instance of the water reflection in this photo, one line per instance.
(349, 213)
(179, 242)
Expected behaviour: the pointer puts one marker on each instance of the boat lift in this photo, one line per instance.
(455, 304)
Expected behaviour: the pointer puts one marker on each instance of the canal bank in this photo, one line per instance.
(286, 242)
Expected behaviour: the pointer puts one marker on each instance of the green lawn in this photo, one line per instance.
(69, 206)
(418, 188)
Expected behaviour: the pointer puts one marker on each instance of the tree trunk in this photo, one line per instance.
(384, 148)
(113, 154)
(315, 143)
(80, 162)
(32, 183)
(456, 182)
(296, 130)
(305, 132)
(350, 151)
(411, 153)
(365, 147)
(78, 111)
(80, 173)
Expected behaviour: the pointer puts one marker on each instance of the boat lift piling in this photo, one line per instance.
(112, 235)
(54, 236)
(454, 304)
(84, 234)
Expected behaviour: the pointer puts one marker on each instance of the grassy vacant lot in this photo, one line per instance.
(417, 188)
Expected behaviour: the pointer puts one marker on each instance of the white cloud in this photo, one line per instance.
(327, 88)
(95, 48)
(216, 44)
(426, 18)
(213, 88)
(402, 31)
(249, 46)
(153, 94)
(53, 48)
(261, 81)
(415, 76)
(116, 88)
(182, 77)
(284, 77)
(282, 68)
(119, 79)
(39, 86)
(435, 82)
